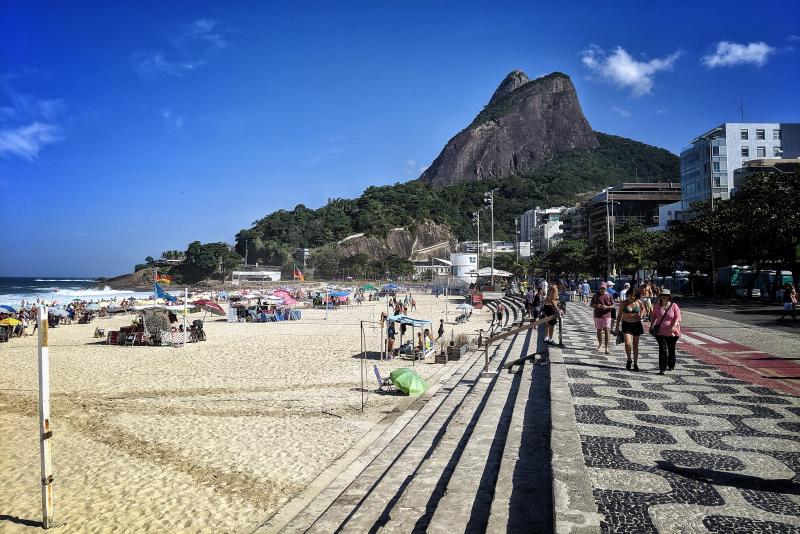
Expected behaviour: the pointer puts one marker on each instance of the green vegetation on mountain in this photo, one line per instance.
(564, 181)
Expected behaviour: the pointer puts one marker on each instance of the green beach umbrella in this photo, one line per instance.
(369, 287)
(408, 381)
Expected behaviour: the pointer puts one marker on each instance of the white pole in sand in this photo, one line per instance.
(44, 422)
(185, 311)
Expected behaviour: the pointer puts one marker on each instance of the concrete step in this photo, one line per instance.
(470, 460)
(399, 453)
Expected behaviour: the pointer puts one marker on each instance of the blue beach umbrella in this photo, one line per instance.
(8, 308)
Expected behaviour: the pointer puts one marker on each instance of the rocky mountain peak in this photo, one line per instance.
(526, 124)
(514, 80)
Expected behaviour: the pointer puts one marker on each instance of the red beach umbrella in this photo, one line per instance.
(212, 307)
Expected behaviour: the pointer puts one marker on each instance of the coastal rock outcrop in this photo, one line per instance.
(420, 242)
(526, 124)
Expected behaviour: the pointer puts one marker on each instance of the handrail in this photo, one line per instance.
(514, 331)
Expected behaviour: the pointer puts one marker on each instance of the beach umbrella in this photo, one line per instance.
(10, 321)
(369, 287)
(408, 381)
(211, 307)
(6, 307)
(464, 307)
(93, 307)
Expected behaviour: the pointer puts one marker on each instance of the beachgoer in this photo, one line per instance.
(602, 304)
(667, 318)
(789, 302)
(537, 304)
(585, 291)
(441, 329)
(426, 337)
(630, 314)
(413, 304)
(646, 296)
(550, 308)
(390, 335)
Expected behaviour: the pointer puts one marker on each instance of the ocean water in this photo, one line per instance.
(62, 290)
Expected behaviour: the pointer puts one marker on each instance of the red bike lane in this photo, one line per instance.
(742, 362)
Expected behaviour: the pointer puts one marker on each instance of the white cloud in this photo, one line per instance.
(729, 54)
(30, 123)
(624, 113)
(171, 119)
(196, 45)
(26, 141)
(794, 37)
(662, 112)
(621, 69)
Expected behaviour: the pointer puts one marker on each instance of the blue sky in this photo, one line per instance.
(128, 129)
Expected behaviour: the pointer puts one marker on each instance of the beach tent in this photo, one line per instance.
(391, 287)
(8, 308)
(339, 293)
(414, 323)
(369, 287)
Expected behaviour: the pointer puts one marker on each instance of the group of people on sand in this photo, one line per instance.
(626, 315)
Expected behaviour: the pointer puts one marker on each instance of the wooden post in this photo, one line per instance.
(45, 432)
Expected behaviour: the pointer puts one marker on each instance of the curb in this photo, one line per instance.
(574, 507)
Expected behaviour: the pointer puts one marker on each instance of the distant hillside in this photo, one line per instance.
(379, 209)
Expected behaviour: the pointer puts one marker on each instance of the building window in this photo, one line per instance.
(776, 151)
(744, 134)
(715, 166)
(715, 150)
(776, 135)
(761, 152)
(745, 152)
(760, 135)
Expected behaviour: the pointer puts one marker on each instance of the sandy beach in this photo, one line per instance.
(216, 436)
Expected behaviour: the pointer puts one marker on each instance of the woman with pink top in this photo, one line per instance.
(667, 320)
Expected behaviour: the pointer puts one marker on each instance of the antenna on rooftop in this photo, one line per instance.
(741, 108)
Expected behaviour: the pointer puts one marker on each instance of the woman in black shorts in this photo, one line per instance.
(631, 312)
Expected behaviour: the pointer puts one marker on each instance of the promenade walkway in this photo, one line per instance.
(691, 451)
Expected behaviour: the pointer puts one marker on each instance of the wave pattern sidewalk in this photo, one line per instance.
(690, 451)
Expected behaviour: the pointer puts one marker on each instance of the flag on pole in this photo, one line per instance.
(164, 278)
(298, 275)
(161, 294)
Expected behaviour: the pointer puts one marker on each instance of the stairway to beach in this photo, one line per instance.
(473, 458)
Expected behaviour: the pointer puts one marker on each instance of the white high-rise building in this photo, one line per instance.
(541, 228)
(709, 162)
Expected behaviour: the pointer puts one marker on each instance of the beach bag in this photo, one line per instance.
(620, 338)
(654, 326)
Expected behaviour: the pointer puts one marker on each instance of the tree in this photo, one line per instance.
(568, 257)
(149, 260)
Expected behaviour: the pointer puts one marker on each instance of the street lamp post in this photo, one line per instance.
(488, 199)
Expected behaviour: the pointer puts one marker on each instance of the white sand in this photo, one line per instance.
(216, 436)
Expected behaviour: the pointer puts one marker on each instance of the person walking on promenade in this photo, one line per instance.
(667, 322)
(586, 292)
(646, 295)
(441, 330)
(550, 308)
(602, 304)
(630, 314)
(529, 302)
(789, 302)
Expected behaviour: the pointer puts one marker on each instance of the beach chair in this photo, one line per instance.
(382, 382)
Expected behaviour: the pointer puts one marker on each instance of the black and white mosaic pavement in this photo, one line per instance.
(690, 451)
